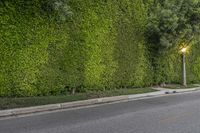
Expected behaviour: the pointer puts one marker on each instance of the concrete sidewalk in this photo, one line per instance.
(68, 105)
(167, 91)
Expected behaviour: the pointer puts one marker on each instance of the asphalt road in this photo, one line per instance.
(169, 114)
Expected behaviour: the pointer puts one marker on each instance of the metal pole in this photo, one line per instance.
(184, 70)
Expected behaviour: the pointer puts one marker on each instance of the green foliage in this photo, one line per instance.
(173, 22)
(130, 53)
(23, 48)
(172, 25)
(194, 63)
(51, 47)
(168, 66)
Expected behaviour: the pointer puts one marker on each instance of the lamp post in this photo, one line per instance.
(184, 78)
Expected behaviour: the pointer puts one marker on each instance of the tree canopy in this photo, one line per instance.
(173, 22)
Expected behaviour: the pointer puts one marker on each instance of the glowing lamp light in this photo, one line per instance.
(183, 50)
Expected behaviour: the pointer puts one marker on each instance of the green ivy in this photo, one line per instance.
(53, 47)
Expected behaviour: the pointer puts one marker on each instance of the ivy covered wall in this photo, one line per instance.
(51, 47)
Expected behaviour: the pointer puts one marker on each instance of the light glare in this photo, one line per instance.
(183, 50)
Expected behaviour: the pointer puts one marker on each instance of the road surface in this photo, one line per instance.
(178, 113)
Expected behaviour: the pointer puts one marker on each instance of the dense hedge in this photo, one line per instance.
(49, 47)
(168, 66)
(171, 66)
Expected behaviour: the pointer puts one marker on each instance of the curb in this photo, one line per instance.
(68, 105)
(52, 107)
(169, 91)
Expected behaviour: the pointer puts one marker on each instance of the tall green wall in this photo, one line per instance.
(168, 66)
(95, 45)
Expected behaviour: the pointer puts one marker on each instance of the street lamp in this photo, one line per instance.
(183, 50)
(184, 78)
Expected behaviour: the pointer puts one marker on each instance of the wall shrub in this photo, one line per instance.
(53, 47)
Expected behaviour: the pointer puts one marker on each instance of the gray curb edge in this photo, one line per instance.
(68, 105)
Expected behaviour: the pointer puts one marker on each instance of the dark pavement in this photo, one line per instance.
(178, 113)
